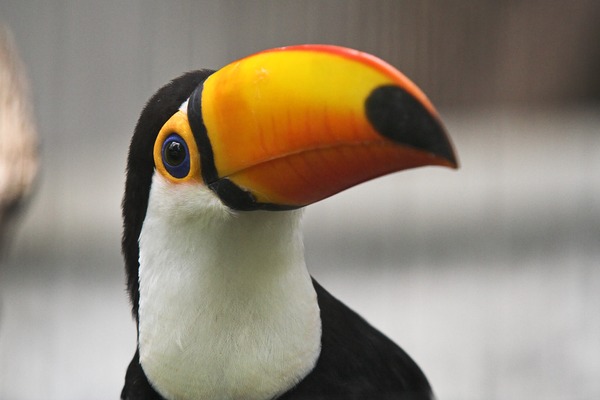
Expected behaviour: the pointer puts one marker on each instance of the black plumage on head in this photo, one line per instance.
(140, 168)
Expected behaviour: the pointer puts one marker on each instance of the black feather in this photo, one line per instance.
(357, 362)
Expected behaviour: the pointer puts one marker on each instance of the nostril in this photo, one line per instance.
(397, 115)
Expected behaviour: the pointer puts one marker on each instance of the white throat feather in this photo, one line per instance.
(227, 308)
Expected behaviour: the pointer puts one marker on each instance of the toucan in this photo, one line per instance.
(220, 166)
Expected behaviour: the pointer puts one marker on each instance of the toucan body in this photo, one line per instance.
(220, 167)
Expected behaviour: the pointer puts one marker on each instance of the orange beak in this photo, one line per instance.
(287, 127)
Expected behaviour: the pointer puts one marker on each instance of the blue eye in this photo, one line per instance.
(176, 156)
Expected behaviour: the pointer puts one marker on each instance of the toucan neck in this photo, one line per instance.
(249, 246)
(225, 298)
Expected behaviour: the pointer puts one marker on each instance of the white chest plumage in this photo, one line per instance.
(227, 308)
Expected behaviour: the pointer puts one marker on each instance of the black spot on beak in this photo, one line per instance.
(397, 115)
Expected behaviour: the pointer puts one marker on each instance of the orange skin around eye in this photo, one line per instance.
(178, 124)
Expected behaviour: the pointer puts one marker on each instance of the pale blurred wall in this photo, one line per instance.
(487, 276)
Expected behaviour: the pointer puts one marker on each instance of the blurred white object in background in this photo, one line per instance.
(18, 143)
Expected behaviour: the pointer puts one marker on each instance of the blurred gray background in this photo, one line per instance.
(488, 276)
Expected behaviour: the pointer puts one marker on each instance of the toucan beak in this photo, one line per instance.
(287, 127)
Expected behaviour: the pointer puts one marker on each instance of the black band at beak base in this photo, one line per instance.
(207, 158)
(239, 199)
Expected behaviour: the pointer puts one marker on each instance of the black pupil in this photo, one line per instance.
(174, 153)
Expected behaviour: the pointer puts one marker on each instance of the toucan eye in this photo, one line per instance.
(176, 156)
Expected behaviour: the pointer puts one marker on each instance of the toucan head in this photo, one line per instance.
(287, 127)
(278, 130)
